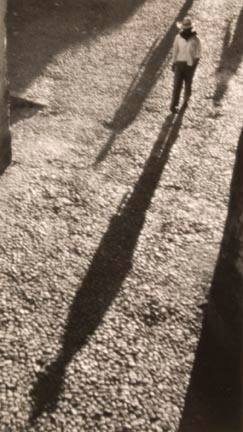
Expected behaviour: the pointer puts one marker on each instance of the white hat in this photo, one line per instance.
(185, 24)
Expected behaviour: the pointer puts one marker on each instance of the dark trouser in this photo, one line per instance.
(183, 74)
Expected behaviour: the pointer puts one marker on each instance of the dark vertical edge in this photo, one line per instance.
(5, 137)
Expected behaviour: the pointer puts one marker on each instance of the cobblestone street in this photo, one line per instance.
(121, 224)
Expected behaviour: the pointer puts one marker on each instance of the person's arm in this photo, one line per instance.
(198, 52)
(174, 52)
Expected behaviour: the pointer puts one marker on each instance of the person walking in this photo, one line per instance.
(185, 57)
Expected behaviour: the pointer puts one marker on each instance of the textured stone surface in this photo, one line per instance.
(112, 215)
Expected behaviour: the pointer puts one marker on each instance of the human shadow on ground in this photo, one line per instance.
(108, 270)
(213, 402)
(231, 58)
(38, 31)
(142, 84)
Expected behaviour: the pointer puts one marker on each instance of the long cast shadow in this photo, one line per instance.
(214, 398)
(143, 83)
(231, 58)
(111, 263)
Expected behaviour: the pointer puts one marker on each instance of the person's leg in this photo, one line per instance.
(178, 82)
(188, 76)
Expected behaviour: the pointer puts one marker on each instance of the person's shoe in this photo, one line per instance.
(185, 103)
(174, 110)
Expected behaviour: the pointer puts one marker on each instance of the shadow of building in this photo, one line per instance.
(214, 398)
(23, 108)
(108, 270)
(38, 31)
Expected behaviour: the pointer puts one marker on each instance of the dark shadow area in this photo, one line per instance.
(143, 83)
(5, 135)
(39, 30)
(231, 58)
(214, 398)
(6, 152)
(23, 108)
(108, 270)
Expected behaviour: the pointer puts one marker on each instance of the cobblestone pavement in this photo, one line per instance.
(112, 219)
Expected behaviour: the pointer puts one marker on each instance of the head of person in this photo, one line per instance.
(186, 28)
(186, 24)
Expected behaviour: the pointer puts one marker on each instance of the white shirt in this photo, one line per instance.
(186, 50)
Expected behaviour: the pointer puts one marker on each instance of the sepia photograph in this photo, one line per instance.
(121, 216)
